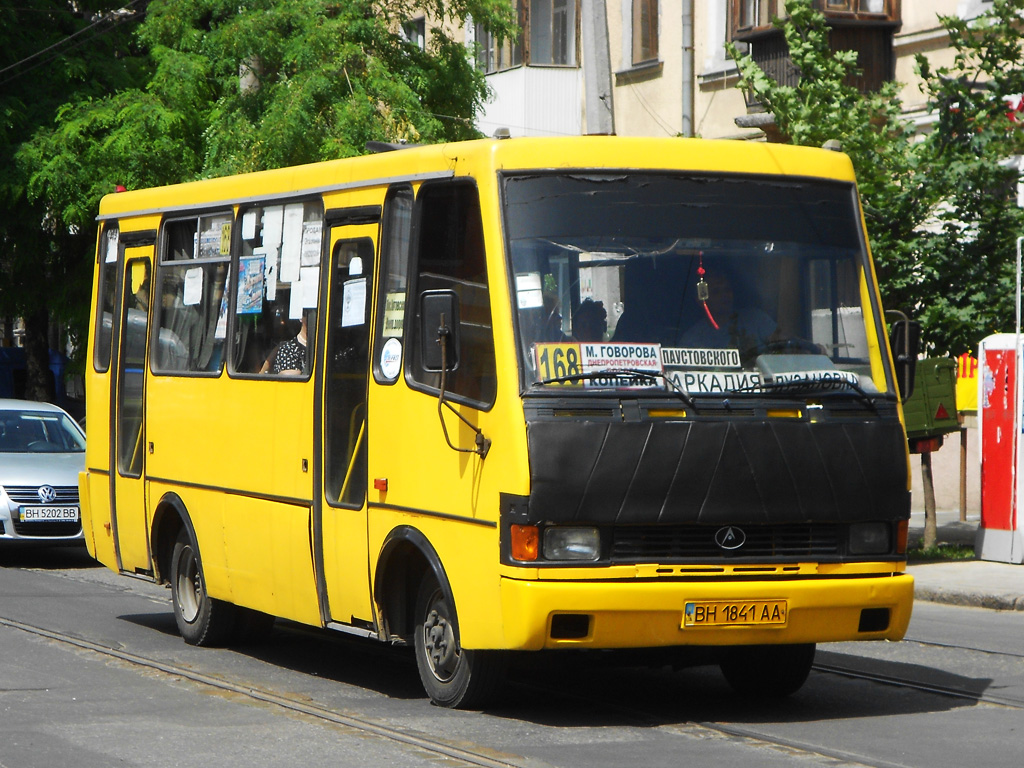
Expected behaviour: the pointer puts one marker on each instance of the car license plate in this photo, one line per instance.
(49, 514)
(730, 613)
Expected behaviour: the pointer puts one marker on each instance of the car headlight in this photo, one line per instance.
(572, 543)
(870, 539)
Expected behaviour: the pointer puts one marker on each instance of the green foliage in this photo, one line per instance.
(940, 209)
(168, 105)
(52, 51)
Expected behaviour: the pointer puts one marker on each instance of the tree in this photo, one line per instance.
(231, 88)
(940, 209)
(48, 51)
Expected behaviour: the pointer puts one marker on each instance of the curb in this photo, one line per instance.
(994, 602)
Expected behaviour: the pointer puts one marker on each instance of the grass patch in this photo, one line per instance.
(940, 553)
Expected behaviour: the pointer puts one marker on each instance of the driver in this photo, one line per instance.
(723, 325)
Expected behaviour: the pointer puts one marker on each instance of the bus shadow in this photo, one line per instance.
(326, 655)
(569, 690)
(45, 556)
(593, 694)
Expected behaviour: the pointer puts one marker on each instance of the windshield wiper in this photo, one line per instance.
(812, 385)
(650, 375)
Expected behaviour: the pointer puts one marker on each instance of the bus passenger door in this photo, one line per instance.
(340, 544)
(128, 517)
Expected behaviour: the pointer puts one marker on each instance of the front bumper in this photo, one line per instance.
(649, 614)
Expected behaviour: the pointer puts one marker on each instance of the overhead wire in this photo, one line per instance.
(115, 19)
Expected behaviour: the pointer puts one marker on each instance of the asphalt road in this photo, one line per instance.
(93, 674)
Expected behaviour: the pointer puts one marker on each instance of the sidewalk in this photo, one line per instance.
(964, 582)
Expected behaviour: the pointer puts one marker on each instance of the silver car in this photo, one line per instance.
(42, 450)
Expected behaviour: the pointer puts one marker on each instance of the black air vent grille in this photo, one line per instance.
(665, 544)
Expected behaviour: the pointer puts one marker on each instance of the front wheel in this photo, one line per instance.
(451, 675)
(201, 619)
(768, 671)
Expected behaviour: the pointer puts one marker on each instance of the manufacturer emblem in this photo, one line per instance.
(47, 494)
(730, 537)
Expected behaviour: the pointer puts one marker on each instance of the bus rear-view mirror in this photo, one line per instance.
(905, 341)
(439, 330)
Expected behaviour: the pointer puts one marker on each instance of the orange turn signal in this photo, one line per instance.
(525, 542)
(902, 528)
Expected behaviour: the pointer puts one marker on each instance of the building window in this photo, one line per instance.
(553, 32)
(645, 31)
(547, 37)
(414, 31)
(495, 55)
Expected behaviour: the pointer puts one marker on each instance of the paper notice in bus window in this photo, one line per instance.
(304, 292)
(270, 272)
(193, 291)
(250, 286)
(249, 225)
(291, 243)
(311, 243)
(528, 291)
(394, 314)
(273, 223)
(111, 255)
(353, 303)
(225, 239)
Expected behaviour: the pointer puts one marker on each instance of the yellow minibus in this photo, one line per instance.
(506, 395)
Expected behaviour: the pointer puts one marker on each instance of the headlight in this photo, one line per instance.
(565, 543)
(870, 539)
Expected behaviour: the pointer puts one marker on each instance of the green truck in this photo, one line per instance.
(930, 411)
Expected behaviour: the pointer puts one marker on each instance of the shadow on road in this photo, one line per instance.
(45, 557)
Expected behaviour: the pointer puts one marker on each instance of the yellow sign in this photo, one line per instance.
(966, 383)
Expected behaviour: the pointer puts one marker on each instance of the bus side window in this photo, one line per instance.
(348, 339)
(450, 254)
(394, 280)
(105, 309)
(278, 289)
(191, 300)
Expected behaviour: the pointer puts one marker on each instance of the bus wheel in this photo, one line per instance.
(201, 619)
(451, 675)
(768, 671)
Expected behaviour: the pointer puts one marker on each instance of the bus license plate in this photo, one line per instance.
(49, 514)
(726, 613)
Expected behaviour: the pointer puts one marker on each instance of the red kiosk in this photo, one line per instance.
(999, 427)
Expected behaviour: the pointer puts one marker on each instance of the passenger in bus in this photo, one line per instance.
(590, 321)
(289, 358)
(721, 323)
(551, 326)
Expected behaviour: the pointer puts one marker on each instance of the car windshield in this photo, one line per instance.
(700, 284)
(39, 432)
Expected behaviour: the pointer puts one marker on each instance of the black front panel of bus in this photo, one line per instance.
(771, 472)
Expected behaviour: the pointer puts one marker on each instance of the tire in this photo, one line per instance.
(768, 671)
(202, 620)
(452, 676)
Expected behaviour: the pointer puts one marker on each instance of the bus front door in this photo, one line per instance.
(339, 529)
(128, 508)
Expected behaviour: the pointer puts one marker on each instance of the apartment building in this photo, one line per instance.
(660, 68)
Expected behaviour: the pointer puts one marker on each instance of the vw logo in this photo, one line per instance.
(730, 537)
(47, 494)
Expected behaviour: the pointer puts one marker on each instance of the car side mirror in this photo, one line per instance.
(439, 330)
(905, 342)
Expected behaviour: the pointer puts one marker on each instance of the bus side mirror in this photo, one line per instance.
(439, 331)
(905, 341)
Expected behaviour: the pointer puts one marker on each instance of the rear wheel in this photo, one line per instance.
(768, 671)
(201, 619)
(451, 675)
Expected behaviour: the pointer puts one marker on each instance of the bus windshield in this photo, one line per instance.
(701, 284)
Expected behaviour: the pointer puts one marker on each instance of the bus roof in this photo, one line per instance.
(486, 156)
